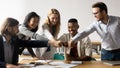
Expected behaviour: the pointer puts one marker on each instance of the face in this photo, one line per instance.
(34, 21)
(73, 28)
(53, 19)
(97, 14)
(13, 30)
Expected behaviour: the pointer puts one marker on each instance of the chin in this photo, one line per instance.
(98, 19)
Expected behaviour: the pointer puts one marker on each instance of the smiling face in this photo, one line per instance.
(33, 23)
(53, 19)
(73, 28)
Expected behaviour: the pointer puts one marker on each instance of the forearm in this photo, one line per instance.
(25, 31)
(33, 43)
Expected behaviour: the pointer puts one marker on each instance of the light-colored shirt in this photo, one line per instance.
(84, 46)
(25, 31)
(109, 33)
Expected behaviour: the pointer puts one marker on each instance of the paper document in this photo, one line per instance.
(114, 63)
(57, 64)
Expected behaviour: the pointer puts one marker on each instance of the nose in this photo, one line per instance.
(95, 16)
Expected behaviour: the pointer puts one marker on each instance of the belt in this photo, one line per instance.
(116, 50)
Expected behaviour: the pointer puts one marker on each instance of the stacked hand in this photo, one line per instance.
(71, 43)
(55, 43)
(58, 44)
(68, 44)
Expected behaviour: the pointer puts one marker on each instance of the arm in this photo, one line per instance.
(46, 32)
(64, 39)
(88, 47)
(38, 43)
(32, 43)
(24, 30)
(88, 50)
(50, 36)
(84, 33)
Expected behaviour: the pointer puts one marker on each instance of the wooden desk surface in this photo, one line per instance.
(95, 64)
(96, 43)
(86, 64)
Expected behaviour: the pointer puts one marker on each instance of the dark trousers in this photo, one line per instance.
(110, 55)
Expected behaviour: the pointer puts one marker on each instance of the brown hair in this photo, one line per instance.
(100, 5)
(9, 22)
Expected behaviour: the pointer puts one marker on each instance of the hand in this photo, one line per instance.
(70, 43)
(55, 43)
(65, 44)
(12, 66)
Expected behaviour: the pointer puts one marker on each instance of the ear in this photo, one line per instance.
(103, 12)
(78, 26)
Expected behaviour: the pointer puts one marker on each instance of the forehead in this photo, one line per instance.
(53, 15)
(72, 23)
(34, 18)
(95, 9)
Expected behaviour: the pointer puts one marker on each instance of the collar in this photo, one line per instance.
(4, 40)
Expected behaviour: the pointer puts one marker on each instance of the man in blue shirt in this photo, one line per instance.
(108, 28)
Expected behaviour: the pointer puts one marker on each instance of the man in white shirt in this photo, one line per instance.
(108, 28)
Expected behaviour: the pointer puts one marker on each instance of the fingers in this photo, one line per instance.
(59, 43)
(70, 43)
(65, 44)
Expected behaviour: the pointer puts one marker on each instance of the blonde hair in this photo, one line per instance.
(57, 26)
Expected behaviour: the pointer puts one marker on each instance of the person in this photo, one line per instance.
(50, 29)
(10, 43)
(28, 28)
(108, 28)
(82, 50)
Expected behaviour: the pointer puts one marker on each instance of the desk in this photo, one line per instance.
(96, 45)
(86, 64)
(95, 64)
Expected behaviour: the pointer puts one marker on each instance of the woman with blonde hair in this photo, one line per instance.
(50, 29)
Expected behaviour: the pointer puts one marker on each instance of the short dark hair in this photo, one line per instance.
(100, 5)
(72, 20)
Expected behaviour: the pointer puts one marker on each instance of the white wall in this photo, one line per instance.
(80, 9)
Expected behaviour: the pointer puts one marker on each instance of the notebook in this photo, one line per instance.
(113, 63)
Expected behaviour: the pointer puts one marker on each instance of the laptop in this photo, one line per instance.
(113, 63)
